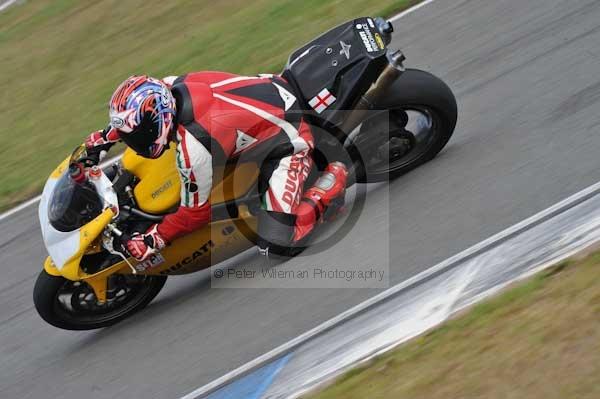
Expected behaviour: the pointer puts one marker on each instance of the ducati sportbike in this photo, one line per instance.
(365, 109)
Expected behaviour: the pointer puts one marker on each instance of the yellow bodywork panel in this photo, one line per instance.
(212, 244)
(72, 270)
(64, 165)
(87, 235)
(159, 186)
(50, 267)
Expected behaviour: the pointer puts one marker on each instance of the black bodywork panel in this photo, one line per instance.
(345, 61)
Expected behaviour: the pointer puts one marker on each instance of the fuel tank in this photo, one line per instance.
(159, 188)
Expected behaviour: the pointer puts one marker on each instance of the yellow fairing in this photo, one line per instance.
(159, 186)
(87, 235)
(50, 267)
(71, 269)
(64, 165)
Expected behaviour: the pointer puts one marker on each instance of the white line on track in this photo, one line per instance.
(411, 10)
(20, 207)
(7, 4)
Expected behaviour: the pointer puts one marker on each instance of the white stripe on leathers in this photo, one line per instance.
(235, 80)
(298, 142)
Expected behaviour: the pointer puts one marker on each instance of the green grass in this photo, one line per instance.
(539, 339)
(61, 60)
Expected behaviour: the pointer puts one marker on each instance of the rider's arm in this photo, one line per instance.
(194, 163)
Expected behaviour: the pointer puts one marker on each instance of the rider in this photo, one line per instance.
(213, 117)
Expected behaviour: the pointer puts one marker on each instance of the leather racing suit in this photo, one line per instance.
(221, 116)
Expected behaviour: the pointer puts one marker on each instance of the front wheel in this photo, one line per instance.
(72, 305)
(417, 118)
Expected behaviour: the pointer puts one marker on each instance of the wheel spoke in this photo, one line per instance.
(77, 299)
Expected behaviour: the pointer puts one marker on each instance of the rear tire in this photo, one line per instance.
(50, 307)
(414, 91)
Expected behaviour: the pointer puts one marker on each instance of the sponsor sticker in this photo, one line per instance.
(370, 41)
(322, 101)
(366, 42)
(162, 189)
(152, 261)
(379, 41)
(191, 259)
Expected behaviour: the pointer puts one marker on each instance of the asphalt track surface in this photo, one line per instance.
(527, 80)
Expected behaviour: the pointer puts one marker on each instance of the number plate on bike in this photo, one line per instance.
(152, 261)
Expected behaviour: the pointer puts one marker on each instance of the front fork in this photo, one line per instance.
(98, 281)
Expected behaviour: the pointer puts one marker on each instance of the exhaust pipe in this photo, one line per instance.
(367, 101)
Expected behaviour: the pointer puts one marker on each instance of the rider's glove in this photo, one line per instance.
(141, 246)
(97, 145)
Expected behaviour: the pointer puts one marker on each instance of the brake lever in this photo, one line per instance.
(108, 243)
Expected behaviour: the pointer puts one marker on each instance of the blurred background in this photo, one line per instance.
(62, 59)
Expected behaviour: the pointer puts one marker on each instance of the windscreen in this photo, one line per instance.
(72, 204)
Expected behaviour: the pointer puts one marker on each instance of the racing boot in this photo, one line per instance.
(328, 192)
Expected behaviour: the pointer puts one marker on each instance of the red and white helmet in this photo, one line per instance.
(142, 110)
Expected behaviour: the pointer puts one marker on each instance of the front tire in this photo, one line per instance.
(417, 101)
(71, 305)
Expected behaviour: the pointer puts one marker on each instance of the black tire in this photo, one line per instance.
(415, 90)
(47, 304)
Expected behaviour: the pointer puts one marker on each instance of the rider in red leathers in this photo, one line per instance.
(214, 117)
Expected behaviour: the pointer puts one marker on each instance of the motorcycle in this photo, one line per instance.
(350, 85)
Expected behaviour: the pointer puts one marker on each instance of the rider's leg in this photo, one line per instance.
(288, 217)
(284, 223)
(281, 186)
(329, 187)
(281, 183)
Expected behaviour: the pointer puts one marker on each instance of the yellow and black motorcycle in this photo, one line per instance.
(385, 121)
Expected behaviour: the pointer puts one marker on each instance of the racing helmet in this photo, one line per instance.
(142, 110)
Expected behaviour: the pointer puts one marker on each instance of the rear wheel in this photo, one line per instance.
(418, 118)
(72, 305)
